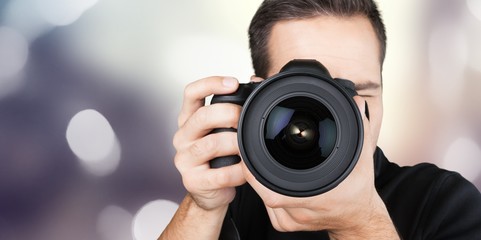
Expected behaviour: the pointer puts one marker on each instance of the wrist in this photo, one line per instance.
(374, 224)
(194, 222)
(196, 209)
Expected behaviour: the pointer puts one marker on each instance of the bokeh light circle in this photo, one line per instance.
(151, 220)
(13, 53)
(63, 12)
(94, 142)
(114, 223)
(464, 156)
(474, 7)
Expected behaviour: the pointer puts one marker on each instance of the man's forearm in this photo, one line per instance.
(192, 222)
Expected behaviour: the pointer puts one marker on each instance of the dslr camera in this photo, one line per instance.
(300, 132)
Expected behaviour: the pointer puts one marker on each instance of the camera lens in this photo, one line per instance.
(300, 133)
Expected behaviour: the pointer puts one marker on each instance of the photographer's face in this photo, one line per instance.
(348, 47)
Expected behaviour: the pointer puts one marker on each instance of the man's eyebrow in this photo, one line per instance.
(367, 85)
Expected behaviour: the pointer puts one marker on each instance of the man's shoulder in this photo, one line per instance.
(419, 180)
(426, 201)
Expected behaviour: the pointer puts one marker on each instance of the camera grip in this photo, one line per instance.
(224, 161)
(238, 97)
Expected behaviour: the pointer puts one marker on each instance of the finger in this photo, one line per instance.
(273, 199)
(255, 78)
(201, 151)
(285, 222)
(273, 218)
(278, 219)
(196, 92)
(269, 197)
(205, 119)
(229, 176)
(214, 179)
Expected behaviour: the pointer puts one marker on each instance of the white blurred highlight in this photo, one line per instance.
(114, 223)
(94, 142)
(63, 12)
(20, 15)
(151, 220)
(190, 58)
(474, 7)
(448, 55)
(474, 33)
(464, 156)
(13, 53)
(13, 57)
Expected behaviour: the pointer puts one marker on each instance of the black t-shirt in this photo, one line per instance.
(424, 202)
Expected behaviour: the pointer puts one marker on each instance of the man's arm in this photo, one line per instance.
(193, 222)
(210, 190)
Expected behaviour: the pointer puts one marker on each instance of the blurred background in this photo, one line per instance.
(90, 91)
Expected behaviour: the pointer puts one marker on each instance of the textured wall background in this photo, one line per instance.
(90, 91)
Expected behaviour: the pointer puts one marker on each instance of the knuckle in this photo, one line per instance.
(272, 202)
(177, 140)
(203, 147)
(180, 120)
(179, 163)
(210, 182)
(233, 142)
(233, 114)
(201, 116)
(189, 90)
(196, 149)
(222, 178)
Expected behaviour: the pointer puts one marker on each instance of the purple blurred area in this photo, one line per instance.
(90, 91)
(45, 193)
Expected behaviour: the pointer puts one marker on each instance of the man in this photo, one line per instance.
(378, 200)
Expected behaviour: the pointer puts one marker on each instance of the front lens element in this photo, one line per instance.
(300, 133)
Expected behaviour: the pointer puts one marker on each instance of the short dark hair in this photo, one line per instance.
(273, 11)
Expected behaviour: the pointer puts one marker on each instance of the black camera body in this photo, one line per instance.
(300, 132)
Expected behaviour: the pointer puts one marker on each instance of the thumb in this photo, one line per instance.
(255, 78)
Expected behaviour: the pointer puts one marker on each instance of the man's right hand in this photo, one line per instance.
(210, 189)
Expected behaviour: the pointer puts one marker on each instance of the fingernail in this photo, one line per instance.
(229, 82)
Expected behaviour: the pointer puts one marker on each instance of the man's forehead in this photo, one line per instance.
(346, 46)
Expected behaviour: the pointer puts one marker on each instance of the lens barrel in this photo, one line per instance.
(300, 132)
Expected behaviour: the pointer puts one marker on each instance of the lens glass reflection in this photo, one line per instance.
(300, 133)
